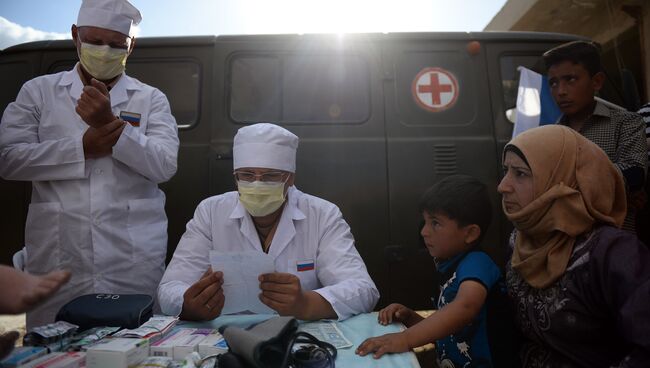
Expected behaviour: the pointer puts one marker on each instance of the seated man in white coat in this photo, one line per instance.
(95, 143)
(268, 214)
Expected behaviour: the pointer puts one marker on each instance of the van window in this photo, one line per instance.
(20, 72)
(178, 80)
(459, 103)
(510, 74)
(299, 89)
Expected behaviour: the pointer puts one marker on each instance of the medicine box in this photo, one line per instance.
(165, 347)
(117, 352)
(58, 360)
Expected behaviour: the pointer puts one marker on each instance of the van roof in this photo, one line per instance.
(146, 42)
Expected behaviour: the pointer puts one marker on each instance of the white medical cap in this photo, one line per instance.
(265, 145)
(116, 15)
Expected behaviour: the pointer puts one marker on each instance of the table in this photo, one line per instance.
(356, 329)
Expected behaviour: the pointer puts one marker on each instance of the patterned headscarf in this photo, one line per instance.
(575, 186)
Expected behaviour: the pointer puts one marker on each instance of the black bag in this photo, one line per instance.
(111, 310)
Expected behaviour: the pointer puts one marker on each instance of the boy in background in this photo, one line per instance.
(575, 76)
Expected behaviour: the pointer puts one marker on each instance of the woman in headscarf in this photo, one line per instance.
(581, 286)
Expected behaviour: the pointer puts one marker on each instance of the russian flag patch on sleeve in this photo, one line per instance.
(306, 265)
(131, 118)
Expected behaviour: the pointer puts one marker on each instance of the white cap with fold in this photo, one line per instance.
(265, 145)
(116, 15)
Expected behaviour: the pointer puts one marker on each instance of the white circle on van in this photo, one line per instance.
(435, 89)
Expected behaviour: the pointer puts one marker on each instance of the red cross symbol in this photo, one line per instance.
(435, 88)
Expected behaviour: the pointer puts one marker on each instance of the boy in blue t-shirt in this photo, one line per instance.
(457, 213)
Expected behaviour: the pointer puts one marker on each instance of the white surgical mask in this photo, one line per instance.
(102, 61)
(261, 198)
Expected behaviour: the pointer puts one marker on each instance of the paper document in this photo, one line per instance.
(326, 331)
(241, 285)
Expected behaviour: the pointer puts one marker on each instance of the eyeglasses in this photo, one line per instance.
(124, 45)
(270, 176)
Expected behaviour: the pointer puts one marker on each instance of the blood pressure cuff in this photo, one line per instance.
(107, 310)
(263, 345)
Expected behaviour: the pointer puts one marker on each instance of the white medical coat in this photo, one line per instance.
(310, 229)
(103, 219)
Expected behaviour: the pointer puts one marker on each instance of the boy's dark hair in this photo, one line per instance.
(461, 198)
(577, 52)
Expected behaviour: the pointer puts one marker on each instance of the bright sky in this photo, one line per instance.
(30, 20)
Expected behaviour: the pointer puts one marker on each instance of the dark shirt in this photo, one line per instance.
(644, 111)
(621, 134)
(597, 314)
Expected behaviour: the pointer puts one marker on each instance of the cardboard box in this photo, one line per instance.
(213, 344)
(59, 360)
(117, 352)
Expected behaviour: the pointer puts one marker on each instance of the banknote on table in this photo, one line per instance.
(326, 331)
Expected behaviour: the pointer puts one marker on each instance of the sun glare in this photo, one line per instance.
(334, 16)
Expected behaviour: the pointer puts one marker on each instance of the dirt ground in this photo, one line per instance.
(13, 323)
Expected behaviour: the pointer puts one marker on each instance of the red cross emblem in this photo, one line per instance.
(435, 89)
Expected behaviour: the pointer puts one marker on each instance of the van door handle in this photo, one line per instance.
(395, 253)
(224, 156)
(399, 253)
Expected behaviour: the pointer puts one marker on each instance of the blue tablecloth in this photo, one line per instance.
(356, 329)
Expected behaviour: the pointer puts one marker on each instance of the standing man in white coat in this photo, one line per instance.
(95, 143)
(319, 273)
